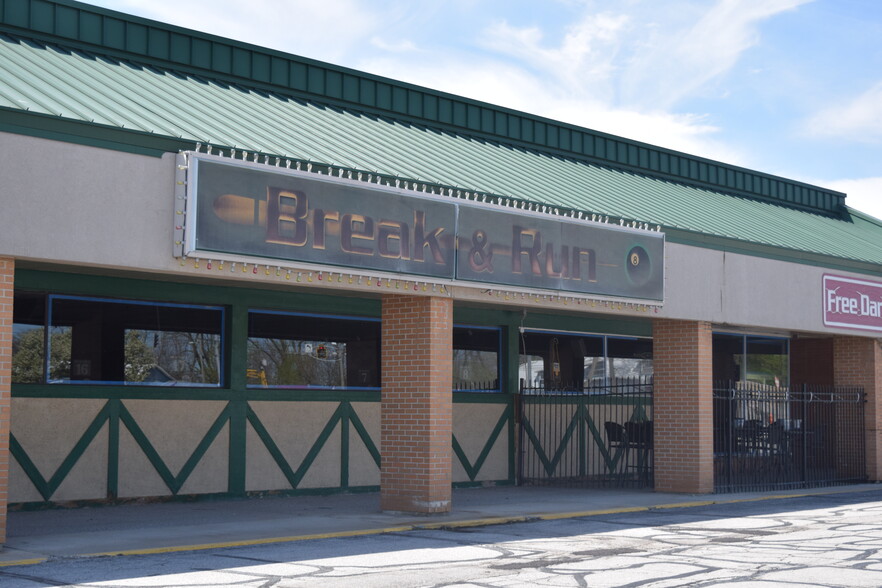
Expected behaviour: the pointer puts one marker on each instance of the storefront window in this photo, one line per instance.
(767, 361)
(288, 350)
(583, 362)
(28, 334)
(629, 359)
(531, 370)
(751, 358)
(92, 340)
(476, 359)
(751, 379)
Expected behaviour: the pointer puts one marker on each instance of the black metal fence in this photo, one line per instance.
(770, 438)
(594, 436)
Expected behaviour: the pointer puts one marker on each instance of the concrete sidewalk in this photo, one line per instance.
(35, 536)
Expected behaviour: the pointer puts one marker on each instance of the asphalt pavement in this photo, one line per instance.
(37, 536)
(820, 540)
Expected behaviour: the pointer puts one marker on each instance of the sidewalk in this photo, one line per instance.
(152, 528)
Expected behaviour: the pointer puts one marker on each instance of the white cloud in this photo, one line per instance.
(675, 61)
(621, 68)
(859, 120)
(513, 87)
(585, 55)
(399, 46)
(864, 194)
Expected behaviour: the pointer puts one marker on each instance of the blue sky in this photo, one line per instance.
(788, 87)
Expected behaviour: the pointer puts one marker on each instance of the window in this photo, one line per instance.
(571, 361)
(629, 358)
(767, 361)
(289, 350)
(751, 358)
(95, 340)
(751, 377)
(28, 337)
(531, 370)
(476, 359)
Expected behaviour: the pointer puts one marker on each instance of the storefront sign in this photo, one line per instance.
(851, 303)
(242, 209)
(539, 251)
(298, 217)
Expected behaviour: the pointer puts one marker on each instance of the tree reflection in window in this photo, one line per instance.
(104, 341)
(288, 350)
(167, 356)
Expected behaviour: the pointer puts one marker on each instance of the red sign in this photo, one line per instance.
(853, 304)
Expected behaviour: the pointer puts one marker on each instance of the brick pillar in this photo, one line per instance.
(7, 272)
(682, 406)
(857, 361)
(416, 417)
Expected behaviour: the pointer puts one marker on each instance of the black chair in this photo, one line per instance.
(779, 441)
(639, 438)
(639, 433)
(617, 438)
(751, 437)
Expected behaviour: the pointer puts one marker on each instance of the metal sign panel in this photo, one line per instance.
(243, 209)
(852, 303)
(539, 251)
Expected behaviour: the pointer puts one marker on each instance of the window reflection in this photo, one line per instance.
(28, 333)
(476, 359)
(573, 361)
(93, 340)
(751, 358)
(767, 361)
(312, 351)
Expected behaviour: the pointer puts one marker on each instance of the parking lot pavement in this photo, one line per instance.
(812, 540)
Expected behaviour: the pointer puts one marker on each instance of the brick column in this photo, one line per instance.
(7, 272)
(416, 417)
(683, 406)
(857, 361)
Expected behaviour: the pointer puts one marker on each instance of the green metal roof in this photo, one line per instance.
(46, 85)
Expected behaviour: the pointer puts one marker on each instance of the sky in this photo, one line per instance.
(787, 87)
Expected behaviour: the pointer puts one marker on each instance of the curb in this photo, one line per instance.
(23, 562)
(482, 522)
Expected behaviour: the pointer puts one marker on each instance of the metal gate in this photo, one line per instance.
(597, 436)
(771, 438)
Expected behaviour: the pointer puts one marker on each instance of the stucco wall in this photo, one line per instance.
(728, 288)
(472, 426)
(363, 471)
(294, 427)
(77, 204)
(47, 430)
(175, 428)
